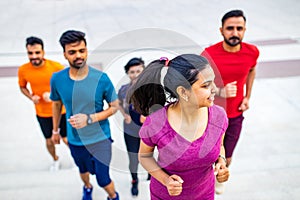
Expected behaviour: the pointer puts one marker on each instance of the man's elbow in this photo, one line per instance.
(114, 110)
(56, 104)
(114, 107)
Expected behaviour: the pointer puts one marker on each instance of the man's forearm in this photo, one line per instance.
(56, 112)
(26, 92)
(249, 82)
(113, 108)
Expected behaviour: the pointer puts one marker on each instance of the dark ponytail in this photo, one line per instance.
(147, 93)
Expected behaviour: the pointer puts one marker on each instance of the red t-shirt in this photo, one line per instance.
(230, 67)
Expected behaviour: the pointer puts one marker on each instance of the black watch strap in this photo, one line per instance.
(89, 119)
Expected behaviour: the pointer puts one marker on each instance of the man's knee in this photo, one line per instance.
(103, 181)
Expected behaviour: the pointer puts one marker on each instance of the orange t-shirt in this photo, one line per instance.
(39, 80)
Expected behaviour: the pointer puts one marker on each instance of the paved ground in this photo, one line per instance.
(266, 164)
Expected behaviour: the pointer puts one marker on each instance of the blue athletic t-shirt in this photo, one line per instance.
(84, 96)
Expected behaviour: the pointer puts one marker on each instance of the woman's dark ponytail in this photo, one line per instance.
(147, 93)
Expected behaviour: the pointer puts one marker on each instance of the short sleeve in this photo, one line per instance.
(56, 65)
(110, 94)
(54, 95)
(154, 128)
(256, 55)
(60, 67)
(121, 95)
(218, 118)
(222, 118)
(225, 124)
(145, 133)
(22, 82)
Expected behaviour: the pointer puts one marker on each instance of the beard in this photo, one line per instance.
(233, 41)
(78, 64)
(36, 62)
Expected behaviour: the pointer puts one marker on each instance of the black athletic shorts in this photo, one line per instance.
(47, 126)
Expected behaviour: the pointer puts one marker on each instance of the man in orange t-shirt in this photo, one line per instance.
(37, 72)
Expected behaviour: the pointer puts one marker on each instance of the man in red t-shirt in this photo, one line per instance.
(234, 64)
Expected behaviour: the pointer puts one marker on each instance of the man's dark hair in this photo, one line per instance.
(71, 36)
(34, 40)
(233, 13)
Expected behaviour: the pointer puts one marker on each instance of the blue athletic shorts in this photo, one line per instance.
(47, 126)
(95, 159)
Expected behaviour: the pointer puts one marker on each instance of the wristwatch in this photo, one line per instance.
(89, 120)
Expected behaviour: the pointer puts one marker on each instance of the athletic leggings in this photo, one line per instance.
(132, 146)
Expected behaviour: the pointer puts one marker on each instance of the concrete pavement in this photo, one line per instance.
(266, 163)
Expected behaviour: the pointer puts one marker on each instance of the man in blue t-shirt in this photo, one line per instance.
(83, 90)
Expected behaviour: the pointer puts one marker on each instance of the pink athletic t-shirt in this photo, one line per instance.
(192, 161)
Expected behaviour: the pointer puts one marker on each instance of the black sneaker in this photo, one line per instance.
(134, 188)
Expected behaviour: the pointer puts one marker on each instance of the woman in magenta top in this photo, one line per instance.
(188, 131)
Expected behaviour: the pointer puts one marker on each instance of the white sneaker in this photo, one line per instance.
(219, 187)
(55, 166)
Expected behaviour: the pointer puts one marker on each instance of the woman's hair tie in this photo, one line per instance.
(166, 60)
